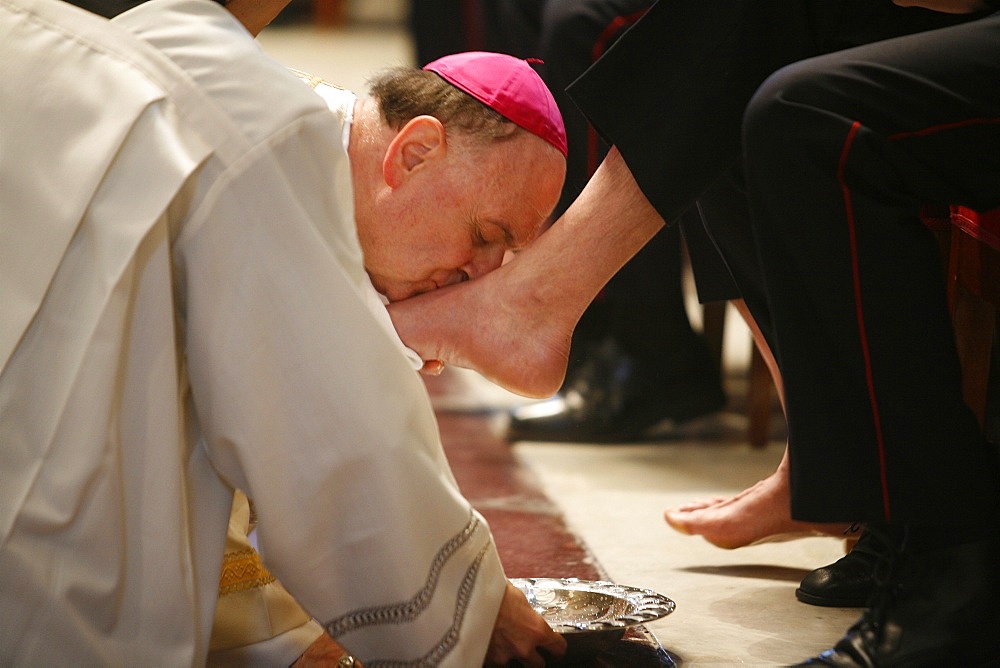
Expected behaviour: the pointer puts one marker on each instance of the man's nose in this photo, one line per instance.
(484, 261)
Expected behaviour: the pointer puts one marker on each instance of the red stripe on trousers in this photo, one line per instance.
(859, 311)
(860, 315)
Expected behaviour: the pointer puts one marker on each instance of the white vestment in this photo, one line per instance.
(183, 314)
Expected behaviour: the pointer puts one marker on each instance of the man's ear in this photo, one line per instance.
(419, 143)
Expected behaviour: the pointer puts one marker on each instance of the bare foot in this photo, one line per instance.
(758, 514)
(492, 327)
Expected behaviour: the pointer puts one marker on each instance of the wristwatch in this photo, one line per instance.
(346, 661)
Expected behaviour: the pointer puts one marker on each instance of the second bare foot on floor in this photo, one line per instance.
(758, 514)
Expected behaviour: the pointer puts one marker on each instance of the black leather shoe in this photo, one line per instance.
(847, 582)
(613, 397)
(939, 607)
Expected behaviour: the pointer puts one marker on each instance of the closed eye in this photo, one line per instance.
(478, 238)
(504, 238)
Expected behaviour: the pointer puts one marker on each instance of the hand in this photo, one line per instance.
(325, 651)
(520, 632)
(946, 6)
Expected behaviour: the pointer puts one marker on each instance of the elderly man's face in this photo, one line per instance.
(456, 223)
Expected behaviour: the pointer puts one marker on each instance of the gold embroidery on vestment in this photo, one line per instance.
(241, 571)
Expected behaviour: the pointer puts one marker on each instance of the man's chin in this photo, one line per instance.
(411, 291)
(393, 293)
(399, 294)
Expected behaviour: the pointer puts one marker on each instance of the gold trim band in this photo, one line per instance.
(241, 571)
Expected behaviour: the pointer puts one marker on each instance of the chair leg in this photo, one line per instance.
(763, 380)
(973, 273)
(329, 13)
(760, 386)
(974, 321)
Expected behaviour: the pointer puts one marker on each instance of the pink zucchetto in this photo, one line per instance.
(508, 86)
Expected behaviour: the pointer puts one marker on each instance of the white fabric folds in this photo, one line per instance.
(179, 259)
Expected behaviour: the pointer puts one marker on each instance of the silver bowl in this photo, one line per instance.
(592, 615)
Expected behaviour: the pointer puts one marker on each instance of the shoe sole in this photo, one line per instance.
(826, 602)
